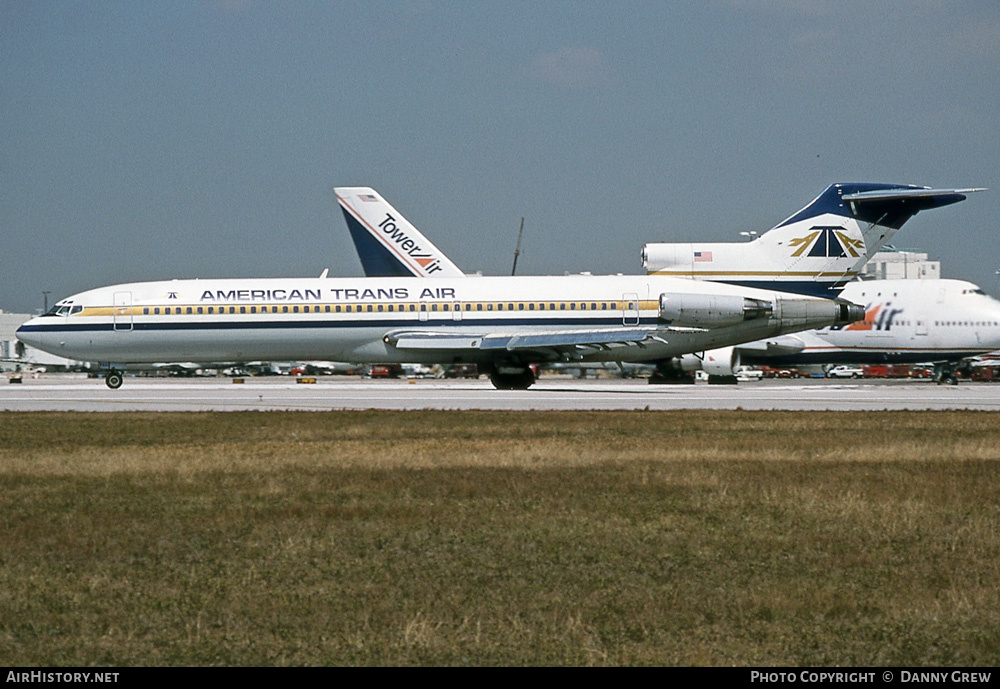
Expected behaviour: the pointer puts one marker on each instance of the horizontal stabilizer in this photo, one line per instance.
(887, 205)
(879, 204)
(902, 194)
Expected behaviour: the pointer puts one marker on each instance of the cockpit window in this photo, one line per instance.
(64, 308)
(59, 310)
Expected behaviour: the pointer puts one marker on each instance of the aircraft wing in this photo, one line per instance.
(558, 342)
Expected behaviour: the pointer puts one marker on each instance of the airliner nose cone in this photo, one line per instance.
(29, 335)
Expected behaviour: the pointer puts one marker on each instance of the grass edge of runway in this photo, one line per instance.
(506, 538)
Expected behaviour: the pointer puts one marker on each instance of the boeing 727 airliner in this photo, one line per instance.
(502, 324)
(815, 251)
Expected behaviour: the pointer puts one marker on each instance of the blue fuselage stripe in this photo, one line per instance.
(138, 325)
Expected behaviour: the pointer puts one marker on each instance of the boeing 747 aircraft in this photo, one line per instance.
(502, 324)
(940, 322)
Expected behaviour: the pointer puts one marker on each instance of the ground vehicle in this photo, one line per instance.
(746, 374)
(461, 371)
(385, 371)
(845, 372)
(770, 372)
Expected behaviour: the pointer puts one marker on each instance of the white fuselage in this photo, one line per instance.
(906, 321)
(353, 319)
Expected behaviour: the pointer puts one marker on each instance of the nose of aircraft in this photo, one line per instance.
(30, 334)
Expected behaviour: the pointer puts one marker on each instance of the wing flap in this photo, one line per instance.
(557, 339)
(566, 339)
(433, 341)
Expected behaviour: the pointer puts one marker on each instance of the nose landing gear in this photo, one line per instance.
(113, 379)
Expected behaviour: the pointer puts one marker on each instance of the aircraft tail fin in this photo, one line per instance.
(817, 249)
(849, 222)
(388, 245)
(886, 205)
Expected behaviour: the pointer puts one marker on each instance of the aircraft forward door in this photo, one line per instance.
(122, 312)
(630, 308)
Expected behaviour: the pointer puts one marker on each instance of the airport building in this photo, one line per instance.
(900, 264)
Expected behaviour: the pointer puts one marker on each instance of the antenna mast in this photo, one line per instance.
(517, 249)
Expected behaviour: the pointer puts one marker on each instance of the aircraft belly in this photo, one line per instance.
(231, 344)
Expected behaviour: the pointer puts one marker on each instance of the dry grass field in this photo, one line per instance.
(485, 538)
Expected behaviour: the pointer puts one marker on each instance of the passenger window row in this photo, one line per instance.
(390, 308)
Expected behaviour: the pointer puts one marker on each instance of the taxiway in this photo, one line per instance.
(66, 393)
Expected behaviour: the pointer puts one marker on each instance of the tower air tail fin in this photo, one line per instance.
(388, 245)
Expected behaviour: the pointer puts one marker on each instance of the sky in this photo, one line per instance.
(159, 140)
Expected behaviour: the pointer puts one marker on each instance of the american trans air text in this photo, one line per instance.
(346, 294)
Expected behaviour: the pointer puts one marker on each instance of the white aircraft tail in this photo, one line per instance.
(816, 250)
(388, 245)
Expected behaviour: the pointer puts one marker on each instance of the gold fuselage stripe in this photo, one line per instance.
(466, 307)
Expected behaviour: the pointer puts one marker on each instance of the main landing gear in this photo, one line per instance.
(512, 378)
(946, 373)
(114, 379)
(667, 374)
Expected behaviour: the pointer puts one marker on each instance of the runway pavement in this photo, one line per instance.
(53, 392)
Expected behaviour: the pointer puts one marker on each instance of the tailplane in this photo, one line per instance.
(388, 245)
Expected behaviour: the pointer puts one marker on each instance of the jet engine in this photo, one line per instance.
(716, 362)
(661, 256)
(710, 310)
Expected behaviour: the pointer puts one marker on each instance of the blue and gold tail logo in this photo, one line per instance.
(831, 242)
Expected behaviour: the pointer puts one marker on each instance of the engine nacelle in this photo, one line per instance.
(716, 362)
(810, 312)
(661, 256)
(701, 310)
